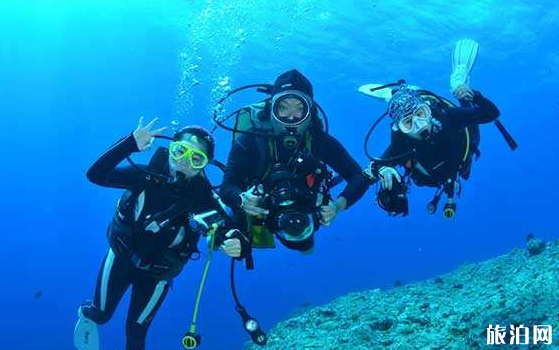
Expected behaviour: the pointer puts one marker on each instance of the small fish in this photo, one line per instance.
(38, 294)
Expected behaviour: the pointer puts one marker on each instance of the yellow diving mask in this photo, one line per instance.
(181, 151)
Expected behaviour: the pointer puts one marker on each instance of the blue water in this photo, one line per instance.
(75, 76)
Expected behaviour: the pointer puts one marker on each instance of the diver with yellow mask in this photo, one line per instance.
(433, 140)
(155, 230)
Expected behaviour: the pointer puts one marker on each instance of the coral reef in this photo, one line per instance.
(452, 311)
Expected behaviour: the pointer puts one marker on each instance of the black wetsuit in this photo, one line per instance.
(444, 154)
(250, 159)
(144, 259)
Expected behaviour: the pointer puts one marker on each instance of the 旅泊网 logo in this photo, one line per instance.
(519, 335)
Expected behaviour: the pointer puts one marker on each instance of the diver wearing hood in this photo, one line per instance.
(279, 184)
(152, 234)
(434, 141)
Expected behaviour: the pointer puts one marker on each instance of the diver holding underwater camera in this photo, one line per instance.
(433, 140)
(277, 179)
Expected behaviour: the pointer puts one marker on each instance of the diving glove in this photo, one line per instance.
(387, 174)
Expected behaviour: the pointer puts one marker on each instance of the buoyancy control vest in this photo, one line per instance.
(133, 233)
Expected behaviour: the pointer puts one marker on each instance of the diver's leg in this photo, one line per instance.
(112, 282)
(147, 296)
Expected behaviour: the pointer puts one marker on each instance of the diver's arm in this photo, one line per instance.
(336, 156)
(391, 155)
(397, 148)
(236, 172)
(230, 238)
(482, 111)
(104, 171)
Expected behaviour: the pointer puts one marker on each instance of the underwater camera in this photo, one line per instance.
(394, 201)
(291, 207)
(283, 194)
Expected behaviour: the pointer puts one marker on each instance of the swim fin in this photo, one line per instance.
(86, 335)
(382, 94)
(463, 60)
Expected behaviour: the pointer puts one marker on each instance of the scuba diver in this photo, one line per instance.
(277, 179)
(432, 139)
(155, 229)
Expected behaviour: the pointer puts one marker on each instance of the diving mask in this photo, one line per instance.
(416, 122)
(291, 107)
(181, 151)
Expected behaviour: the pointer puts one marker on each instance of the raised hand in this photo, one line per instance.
(387, 177)
(464, 92)
(144, 136)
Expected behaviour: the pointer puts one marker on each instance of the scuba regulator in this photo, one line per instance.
(250, 324)
(205, 224)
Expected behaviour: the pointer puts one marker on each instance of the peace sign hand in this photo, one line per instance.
(144, 136)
